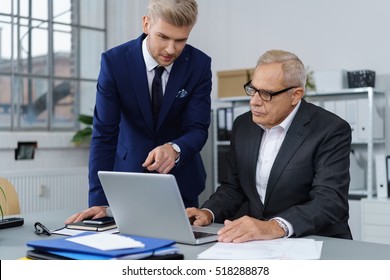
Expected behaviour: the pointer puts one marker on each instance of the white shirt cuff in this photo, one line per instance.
(212, 214)
(289, 225)
(108, 212)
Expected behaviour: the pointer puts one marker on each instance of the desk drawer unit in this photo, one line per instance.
(376, 220)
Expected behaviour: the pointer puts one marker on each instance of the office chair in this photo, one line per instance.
(10, 203)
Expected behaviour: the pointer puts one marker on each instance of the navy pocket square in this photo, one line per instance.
(182, 93)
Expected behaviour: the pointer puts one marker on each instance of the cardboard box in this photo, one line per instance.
(230, 83)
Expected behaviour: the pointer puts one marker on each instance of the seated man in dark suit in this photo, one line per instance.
(288, 163)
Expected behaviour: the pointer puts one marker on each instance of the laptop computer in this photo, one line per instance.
(149, 204)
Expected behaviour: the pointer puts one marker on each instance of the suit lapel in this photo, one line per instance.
(252, 149)
(295, 136)
(173, 86)
(139, 82)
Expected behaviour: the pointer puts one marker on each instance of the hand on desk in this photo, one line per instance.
(247, 228)
(90, 213)
(241, 230)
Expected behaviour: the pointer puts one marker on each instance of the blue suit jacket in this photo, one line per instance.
(123, 128)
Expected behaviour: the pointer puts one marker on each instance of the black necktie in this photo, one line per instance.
(157, 92)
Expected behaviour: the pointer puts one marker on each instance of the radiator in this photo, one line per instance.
(46, 190)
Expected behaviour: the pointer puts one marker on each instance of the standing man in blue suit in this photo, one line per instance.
(128, 135)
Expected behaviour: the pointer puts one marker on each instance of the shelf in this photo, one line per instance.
(234, 99)
(375, 222)
(374, 141)
(364, 110)
(340, 92)
(362, 193)
(223, 143)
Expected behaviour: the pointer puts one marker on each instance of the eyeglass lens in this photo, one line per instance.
(265, 95)
(251, 91)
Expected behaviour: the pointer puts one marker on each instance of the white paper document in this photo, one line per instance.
(284, 248)
(71, 232)
(106, 241)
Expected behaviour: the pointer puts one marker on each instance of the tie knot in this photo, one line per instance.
(158, 71)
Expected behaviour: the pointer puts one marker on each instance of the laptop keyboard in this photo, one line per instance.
(199, 234)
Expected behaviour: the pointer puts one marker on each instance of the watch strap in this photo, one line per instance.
(176, 148)
(283, 226)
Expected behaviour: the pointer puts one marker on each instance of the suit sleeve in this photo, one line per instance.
(105, 131)
(230, 200)
(196, 116)
(327, 205)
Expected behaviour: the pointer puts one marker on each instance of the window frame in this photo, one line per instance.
(50, 76)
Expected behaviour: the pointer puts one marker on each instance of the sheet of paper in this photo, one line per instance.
(285, 248)
(303, 249)
(71, 232)
(106, 241)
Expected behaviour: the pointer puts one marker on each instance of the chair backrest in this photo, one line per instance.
(10, 203)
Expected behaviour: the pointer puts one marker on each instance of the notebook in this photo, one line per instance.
(149, 204)
(91, 227)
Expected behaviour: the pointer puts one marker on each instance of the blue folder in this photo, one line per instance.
(86, 252)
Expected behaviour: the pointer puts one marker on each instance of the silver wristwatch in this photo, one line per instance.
(283, 226)
(177, 149)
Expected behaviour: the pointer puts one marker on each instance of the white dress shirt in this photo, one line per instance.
(269, 148)
(151, 64)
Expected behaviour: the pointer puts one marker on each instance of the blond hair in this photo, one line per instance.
(177, 12)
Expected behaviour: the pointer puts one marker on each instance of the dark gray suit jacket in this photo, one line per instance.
(309, 181)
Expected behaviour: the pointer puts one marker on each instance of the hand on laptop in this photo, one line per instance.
(199, 217)
(241, 230)
(90, 213)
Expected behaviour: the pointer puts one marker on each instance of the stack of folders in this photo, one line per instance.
(224, 123)
(80, 247)
(225, 119)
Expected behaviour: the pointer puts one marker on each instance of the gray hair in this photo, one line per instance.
(177, 12)
(293, 68)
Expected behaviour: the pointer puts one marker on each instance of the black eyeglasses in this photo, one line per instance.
(41, 229)
(265, 95)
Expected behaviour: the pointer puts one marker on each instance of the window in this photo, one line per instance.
(49, 62)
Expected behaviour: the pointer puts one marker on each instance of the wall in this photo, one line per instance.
(327, 35)
(54, 150)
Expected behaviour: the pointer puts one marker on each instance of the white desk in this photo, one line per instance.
(13, 241)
